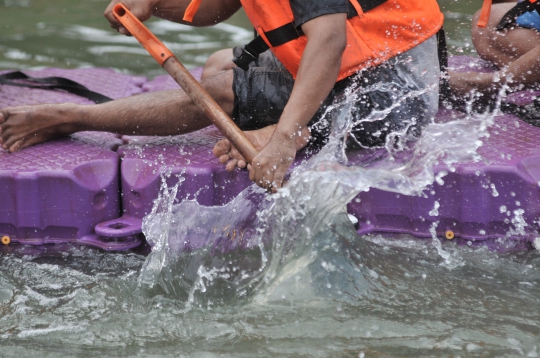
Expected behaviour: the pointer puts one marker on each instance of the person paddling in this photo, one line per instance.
(307, 54)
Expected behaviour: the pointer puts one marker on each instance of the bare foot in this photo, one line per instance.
(228, 154)
(21, 127)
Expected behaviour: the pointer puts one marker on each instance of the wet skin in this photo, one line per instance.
(516, 52)
(173, 112)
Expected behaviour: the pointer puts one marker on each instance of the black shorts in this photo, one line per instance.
(261, 93)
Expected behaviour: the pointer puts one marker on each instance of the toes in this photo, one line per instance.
(224, 159)
(11, 142)
(221, 148)
(24, 143)
(231, 165)
(236, 155)
(6, 141)
(16, 146)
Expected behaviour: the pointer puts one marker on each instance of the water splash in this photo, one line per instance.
(251, 246)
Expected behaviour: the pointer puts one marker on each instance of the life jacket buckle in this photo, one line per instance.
(244, 59)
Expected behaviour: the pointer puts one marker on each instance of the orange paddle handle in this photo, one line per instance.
(150, 42)
(186, 81)
(484, 14)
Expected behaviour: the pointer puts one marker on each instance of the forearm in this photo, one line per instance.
(523, 73)
(317, 74)
(210, 12)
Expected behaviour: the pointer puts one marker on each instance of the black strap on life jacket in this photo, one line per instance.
(442, 52)
(286, 33)
(509, 19)
(276, 37)
(52, 83)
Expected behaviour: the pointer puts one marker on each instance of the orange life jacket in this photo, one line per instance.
(484, 14)
(373, 36)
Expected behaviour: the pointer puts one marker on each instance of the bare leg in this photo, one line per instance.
(157, 113)
(502, 47)
(515, 51)
(218, 62)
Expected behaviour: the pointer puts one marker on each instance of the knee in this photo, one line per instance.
(220, 88)
(218, 62)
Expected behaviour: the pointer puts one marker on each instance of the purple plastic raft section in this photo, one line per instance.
(496, 197)
(488, 199)
(58, 191)
(481, 200)
(188, 158)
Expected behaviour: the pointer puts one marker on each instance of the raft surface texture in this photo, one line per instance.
(60, 190)
(478, 201)
(95, 188)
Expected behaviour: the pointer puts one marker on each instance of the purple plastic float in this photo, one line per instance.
(58, 191)
(61, 190)
(478, 201)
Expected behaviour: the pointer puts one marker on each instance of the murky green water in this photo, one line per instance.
(72, 34)
(349, 297)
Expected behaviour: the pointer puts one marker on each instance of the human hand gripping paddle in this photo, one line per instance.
(186, 81)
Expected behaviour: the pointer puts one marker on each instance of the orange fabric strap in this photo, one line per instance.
(484, 14)
(357, 7)
(191, 10)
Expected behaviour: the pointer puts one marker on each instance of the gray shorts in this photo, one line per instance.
(261, 93)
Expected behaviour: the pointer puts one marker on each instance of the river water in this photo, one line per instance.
(311, 288)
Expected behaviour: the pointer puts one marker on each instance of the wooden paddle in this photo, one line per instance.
(186, 81)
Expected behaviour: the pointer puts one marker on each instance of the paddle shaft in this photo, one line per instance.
(210, 108)
(187, 82)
